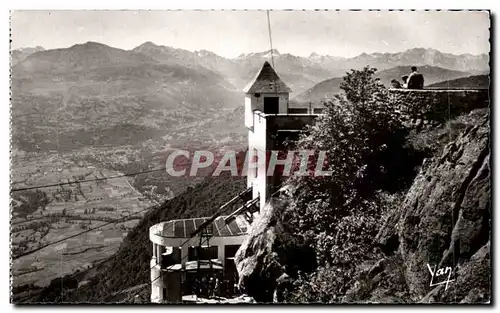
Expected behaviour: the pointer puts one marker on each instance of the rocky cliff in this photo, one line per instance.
(444, 220)
(257, 260)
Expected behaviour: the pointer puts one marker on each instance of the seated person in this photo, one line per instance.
(395, 84)
(415, 80)
(405, 81)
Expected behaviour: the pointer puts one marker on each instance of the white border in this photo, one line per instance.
(252, 5)
(187, 4)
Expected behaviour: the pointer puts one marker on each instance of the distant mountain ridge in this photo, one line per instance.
(18, 55)
(330, 87)
(263, 54)
(158, 88)
(422, 56)
(475, 81)
(415, 56)
(95, 92)
(78, 57)
(301, 73)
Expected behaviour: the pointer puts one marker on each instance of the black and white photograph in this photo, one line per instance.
(250, 157)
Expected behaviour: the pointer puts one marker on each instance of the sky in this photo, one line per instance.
(230, 33)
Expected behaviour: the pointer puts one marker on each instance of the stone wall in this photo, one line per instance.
(437, 105)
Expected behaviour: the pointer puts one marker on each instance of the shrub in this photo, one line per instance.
(339, 214)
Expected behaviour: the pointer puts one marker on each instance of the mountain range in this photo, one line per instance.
(95, 91)
(299, 72)
(420, 57)
(91, 90)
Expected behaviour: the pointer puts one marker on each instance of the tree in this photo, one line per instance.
(338, 214)
(360, 87)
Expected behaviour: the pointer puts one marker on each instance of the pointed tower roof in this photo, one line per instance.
(266, 81)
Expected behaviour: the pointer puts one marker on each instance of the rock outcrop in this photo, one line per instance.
(445, 221)
(270, 255)
(258, 263)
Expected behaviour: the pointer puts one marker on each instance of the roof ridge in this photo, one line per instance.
(266, 81)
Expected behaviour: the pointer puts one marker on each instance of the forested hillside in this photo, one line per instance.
(475, 81)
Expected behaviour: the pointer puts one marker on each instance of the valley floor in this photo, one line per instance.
(45, 215)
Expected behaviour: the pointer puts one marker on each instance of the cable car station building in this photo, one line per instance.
(190, 254)
(178, 259)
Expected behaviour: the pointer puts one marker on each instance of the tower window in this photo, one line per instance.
(271, 105)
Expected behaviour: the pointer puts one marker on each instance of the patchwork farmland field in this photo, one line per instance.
(40, 216)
